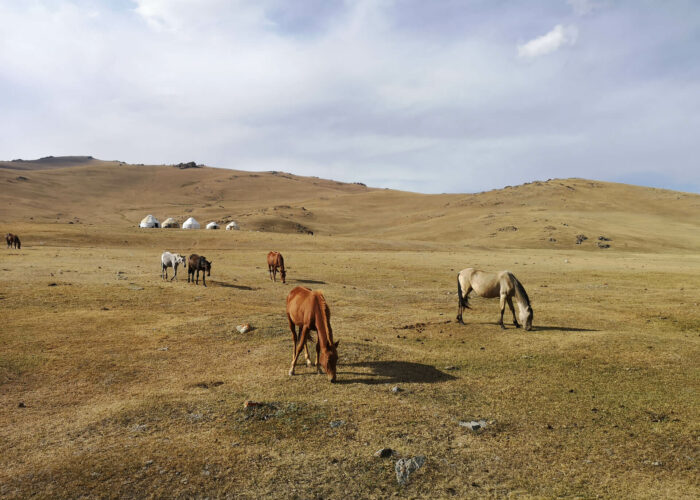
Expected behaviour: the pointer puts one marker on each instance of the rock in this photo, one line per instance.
(450, 368)
(135, 287)
(603, 238)
(52, 284)
(384, 453)
(148, 463)
(474, 425)
(21, 405)
(580, 238)
(336, 423)
(603, 245)
(252, 404)
(243, 328)
(396, 389)
(406, 466)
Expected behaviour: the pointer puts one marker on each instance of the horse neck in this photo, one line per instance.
(280, 261)
(324, 336)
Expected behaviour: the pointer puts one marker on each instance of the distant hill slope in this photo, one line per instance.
(49, 162)
(536, 215)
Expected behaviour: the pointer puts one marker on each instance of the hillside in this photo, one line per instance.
(535, 215)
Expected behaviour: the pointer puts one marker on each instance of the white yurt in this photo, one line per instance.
(149, 221)
(170, 222)
(190, 223)
(232, 226)
(212, 225)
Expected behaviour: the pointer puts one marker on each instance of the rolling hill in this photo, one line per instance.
(547, 214)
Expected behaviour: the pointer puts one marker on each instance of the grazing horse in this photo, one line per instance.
(492, 285)
(170, 260)
(274, 261)
(198, 263)
(308, 310)
(13, 241)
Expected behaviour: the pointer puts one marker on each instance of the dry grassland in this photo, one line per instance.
(114, 383)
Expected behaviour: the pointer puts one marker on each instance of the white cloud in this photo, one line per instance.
(548, 43)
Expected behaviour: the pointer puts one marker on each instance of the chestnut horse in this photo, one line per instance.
(198, 263)
(308, 310)
(274, 261)
(491, 285)
(13, 241)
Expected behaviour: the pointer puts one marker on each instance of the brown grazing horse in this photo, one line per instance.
(308, 310)
(274, 261)
(195, 264)
(13, 241)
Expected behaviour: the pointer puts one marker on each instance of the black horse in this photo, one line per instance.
(198, 263)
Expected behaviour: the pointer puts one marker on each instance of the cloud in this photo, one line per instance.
(582, 7)
(548, 43)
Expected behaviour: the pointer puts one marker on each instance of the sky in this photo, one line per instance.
(428, 96)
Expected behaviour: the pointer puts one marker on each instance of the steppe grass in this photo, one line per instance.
(114, 383)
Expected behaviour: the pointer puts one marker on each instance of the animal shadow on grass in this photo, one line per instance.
(231, 285)
(536, 328)
(311, 282)
(392, 372)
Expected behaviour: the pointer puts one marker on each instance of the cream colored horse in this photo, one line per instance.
(492, 285)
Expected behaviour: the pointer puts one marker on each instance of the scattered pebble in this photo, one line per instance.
(21, 405)
(243, 328)
(474, 425)
(406, 466)
(396, 389)
(336, 423)
(384, 453)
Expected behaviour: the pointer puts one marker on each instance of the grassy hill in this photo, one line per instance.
(536, 215)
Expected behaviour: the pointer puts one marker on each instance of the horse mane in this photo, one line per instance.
(520, 290)
(322, 311)
(281, 259)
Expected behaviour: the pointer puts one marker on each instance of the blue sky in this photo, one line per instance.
(439, 96)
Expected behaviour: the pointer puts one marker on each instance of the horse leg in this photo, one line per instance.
(512, 310)
(204, 277)
(292, 327)
(306, 353)
(174, 274)
(503, 308)
(298, 348)
(318, 355)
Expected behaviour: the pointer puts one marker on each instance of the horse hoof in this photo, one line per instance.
(291, 373)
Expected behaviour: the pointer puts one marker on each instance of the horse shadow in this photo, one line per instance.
(535, 328)
(392, 372)
(310, 282)
(561, 329)
(231, 285)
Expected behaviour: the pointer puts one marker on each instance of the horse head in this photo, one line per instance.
(329, 359)
(283, 273)
(207, 265)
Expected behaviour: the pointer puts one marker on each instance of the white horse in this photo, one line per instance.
(170, 260)
(492, 285)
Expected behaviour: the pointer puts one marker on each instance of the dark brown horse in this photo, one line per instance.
(195, 264)
(275, 261)
(13, 241)
(308, 310)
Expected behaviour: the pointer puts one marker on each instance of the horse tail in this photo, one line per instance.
(463, 301)
(520, 289)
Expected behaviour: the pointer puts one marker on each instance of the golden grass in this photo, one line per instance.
(133, 387)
